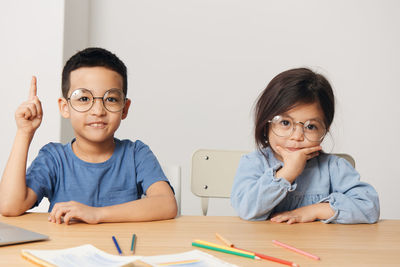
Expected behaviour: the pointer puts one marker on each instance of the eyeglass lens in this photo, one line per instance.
(82, 100)
(314, 130)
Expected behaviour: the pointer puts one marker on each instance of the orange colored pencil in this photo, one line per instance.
(262, 256)
(224, 240)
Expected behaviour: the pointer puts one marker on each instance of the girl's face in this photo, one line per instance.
(299, 113)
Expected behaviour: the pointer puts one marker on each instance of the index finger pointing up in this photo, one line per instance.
(33, 89)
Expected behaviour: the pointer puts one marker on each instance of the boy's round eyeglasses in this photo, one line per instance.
(82, 100)
(313, 130)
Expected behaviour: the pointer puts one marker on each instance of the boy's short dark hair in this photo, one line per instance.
(93, 57)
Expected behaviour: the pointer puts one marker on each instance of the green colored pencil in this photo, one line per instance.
(133, 243)
(225, 251)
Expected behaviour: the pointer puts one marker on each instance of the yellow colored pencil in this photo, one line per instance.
(225, 251)
(262, 256)
(223, 247)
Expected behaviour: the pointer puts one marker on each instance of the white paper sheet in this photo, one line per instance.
(204, 260)
(85, 255)
(90, 256)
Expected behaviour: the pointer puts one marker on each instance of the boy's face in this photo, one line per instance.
(98, 124)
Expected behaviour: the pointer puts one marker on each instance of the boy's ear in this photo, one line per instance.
(126, 108)
(64, 108)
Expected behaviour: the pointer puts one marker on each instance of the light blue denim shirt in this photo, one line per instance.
(257, 193)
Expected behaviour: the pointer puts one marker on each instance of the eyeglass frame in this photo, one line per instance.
(97, 97)
(294, 128)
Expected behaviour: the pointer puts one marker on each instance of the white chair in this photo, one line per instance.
(44, 204)
(213, 172)
(348, 158)
(173, 174)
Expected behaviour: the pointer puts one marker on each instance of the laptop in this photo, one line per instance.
(10, 234)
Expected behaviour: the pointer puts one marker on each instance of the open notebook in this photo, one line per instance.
(10, 234)
(90, 256)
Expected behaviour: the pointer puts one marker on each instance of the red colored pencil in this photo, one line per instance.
(266, 257)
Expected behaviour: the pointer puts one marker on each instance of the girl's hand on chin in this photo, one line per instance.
(295, 161)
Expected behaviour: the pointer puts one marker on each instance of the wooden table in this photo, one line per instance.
(336, 245)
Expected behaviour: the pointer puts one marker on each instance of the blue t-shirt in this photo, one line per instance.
(257, 193)
(58, 174)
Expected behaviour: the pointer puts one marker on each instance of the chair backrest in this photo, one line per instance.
(213, 172)
(44, 204)
(173, 173)
(348, 158)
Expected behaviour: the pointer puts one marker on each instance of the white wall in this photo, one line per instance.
(31, 44)
(196, 67)
(76, 38)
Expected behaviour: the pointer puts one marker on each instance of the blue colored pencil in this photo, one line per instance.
(116, 245)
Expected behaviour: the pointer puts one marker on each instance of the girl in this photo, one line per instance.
(289, 178)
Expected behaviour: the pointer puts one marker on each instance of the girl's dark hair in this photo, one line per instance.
(287, 89)
(93, 57)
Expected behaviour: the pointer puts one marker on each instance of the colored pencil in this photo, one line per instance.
(266, 257)
(222, 247)
(295, 250)
(224, 240)
(246, 255)
(133, 243)
(116, 245)
(177, 262)
(262, 256)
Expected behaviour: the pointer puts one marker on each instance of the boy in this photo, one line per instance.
(95, 178)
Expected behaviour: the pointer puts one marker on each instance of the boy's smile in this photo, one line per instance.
(97, 125)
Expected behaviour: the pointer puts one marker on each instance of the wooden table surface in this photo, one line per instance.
(336, 245)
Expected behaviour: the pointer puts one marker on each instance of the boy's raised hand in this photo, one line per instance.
(294, 162)
(29, 114)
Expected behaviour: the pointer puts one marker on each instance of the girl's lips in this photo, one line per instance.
(292, 149)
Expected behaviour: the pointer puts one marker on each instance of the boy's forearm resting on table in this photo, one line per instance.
(160, 204)
(15, 197)
(159, 207)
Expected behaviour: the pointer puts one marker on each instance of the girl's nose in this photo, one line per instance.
(298, 133)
